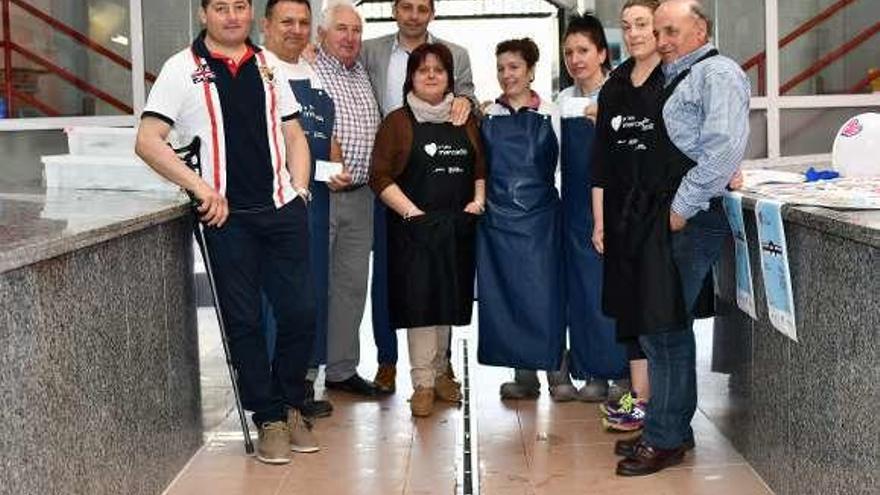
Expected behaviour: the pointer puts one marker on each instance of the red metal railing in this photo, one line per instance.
(10, 46)
(759, 61)
(830, 58)
(866, 81)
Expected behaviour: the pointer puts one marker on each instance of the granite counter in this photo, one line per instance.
(803, 413)
(99, 373)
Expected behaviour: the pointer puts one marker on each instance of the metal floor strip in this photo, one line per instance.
(467, 453)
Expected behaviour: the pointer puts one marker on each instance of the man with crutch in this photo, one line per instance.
(251, 195)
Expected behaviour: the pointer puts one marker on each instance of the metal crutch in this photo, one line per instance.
(189, 154)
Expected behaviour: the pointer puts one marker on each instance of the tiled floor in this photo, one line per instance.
(375, 447)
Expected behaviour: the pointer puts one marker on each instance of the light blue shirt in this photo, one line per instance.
(707, 118)
(396, 76)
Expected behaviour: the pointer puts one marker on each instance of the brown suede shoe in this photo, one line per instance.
(649, 460)
(385, 378)
(422, 402)
(449, 371)
(447, 389)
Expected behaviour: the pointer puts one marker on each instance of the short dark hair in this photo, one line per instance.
(591, 27)
(205, 3)
(418, 57)
(649, 4)
(524, 47)
(270, 6)
(398, 1)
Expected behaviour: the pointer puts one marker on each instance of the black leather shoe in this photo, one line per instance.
(316, 409)
(649, 460)
(627, 448)
(354, 385)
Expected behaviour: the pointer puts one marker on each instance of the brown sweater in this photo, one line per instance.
(394, 142)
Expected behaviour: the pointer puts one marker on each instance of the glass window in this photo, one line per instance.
(757, 148)
(809, 131)
(68, 59)
(740, 34)
(836, 56)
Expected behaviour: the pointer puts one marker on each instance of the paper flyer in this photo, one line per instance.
(774, 265)
(745, 291)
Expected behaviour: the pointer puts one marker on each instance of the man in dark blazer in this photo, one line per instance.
(385, 60)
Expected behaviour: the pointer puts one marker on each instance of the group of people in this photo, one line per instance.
(599, 283)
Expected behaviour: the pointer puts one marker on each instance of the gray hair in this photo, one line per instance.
(697, 11)
(331, 7)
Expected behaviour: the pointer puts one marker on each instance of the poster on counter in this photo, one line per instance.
(774, 265)
(745, 291)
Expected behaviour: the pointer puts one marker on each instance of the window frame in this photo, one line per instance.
(138, 85)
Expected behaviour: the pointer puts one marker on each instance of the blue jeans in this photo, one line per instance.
(384, 336)
(266, 252)
(672, 353)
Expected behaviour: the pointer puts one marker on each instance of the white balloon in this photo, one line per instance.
(856, 151)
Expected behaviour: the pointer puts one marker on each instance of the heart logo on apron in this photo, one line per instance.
(431, 149)
(616, 121)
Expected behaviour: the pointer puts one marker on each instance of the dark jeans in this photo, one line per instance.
(384, 336)
(672, 354)
(266, 252)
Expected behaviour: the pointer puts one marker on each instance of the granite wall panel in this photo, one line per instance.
(89, 373)
(809, 430)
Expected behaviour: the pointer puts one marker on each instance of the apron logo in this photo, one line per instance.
(616, 122)
(852, 128)
(431, 149)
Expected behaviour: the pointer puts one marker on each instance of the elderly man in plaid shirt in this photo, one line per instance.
(351, 204)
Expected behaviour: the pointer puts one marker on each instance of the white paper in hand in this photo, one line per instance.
(324, 170)
(572, 108)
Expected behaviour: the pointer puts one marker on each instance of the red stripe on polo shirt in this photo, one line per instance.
(215, 142)
(274, 116)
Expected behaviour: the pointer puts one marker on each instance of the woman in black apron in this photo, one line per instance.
(637, 171)
(430, 175)
(626, 135)
(519, 268)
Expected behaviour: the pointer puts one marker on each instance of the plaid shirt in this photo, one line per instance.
(357, 113)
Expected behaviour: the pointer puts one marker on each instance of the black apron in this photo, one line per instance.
(519, 246)
(592, 335)
(641, 281)
(431, 257)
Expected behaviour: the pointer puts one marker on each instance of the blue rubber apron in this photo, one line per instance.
(519, 246)
(316, 119)
(594, 349)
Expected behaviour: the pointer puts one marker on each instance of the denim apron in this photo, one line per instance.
(519, 245)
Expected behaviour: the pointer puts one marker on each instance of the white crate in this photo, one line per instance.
(118, 173)
(101, 140)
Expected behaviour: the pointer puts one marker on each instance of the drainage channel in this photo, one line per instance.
(467, 451)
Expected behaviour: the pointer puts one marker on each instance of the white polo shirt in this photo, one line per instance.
(194, 94)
